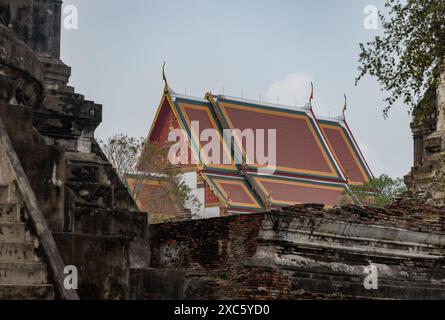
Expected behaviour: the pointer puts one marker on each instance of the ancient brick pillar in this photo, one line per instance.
(427, 175)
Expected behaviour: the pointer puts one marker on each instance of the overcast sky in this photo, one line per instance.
(250, 48)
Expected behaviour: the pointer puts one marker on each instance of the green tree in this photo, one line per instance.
(123, 152)
(408, 57)
(143, 160)
(377, 191)
(154, 160)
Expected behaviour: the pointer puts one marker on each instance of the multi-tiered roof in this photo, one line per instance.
(316, 158)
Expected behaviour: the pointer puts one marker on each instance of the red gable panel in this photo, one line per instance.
(164, 122)
(346, 152)
(161, 124)
(191, 157)
(191, 112)
(235, 190)
(210, 199)
(287, 192)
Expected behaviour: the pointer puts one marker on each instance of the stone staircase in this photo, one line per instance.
(22, 273)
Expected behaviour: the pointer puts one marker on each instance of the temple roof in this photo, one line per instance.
(346, 150)
(316, 158)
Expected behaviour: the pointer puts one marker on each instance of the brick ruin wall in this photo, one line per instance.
(304, 252)
(211, 252)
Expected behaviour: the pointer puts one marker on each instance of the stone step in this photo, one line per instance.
(66, 90)
(12, 232)
(95, 183)
(86, 167)
(16, 253)
(22, 292)
(70, 93)
(23, 273)
(92, 194)
(110, 222)
(83, 172)
(8, 212)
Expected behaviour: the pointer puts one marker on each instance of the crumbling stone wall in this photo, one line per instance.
(37, 23)
(307, 252)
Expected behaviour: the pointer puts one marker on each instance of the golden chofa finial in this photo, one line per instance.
(163, 73)
(311, 97)
(209, 96)
(166, 88)
(345, 106)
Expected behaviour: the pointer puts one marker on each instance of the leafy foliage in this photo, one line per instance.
(141, 159)
(154, 159)
(123, 152)
(377, 191)
(408, 57)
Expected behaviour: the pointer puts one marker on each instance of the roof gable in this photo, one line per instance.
(195, 116)
(346, 150)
